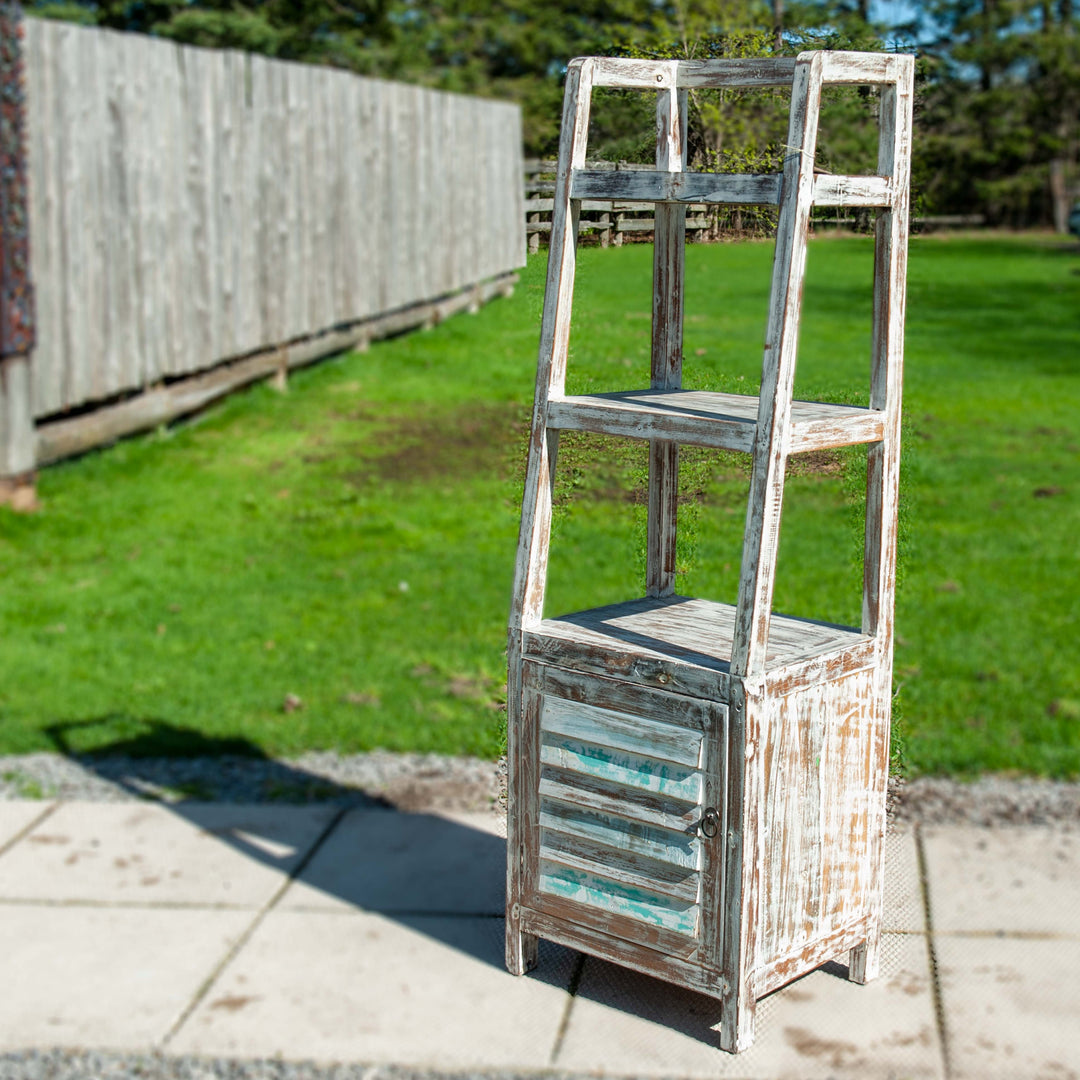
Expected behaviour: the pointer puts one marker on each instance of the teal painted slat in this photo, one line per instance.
(679, 849)
(637, 870)
(620, 767)
(603, 727)
(618, 898)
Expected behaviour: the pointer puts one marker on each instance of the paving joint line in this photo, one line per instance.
(26, 830)
(395, 913)
(124, 905)
(935, 973)
(564, 1022)
(232, 952)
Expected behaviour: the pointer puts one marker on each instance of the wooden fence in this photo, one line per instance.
(190, 206)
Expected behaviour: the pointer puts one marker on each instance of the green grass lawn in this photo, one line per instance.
(352, 542)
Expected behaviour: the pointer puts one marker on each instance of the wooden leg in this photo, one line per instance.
(737, 1019)
(864, 962)
(521, 949)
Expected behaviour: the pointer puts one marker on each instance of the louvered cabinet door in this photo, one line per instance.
(629, 813)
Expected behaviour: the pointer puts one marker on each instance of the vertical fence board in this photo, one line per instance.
(190, 206)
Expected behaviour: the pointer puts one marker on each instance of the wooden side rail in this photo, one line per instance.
(734, 188)
(838, 68)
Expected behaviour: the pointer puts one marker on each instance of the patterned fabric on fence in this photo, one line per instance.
(16, 290)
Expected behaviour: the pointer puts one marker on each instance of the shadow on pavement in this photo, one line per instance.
(364, 853)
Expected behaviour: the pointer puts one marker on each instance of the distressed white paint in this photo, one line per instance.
(793, 715)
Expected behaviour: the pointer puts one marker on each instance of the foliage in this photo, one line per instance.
(998, 117)
(1000, 126)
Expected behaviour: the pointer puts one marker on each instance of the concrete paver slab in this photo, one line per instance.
(1011, 1007)
(150, 853)
(16, 816)
(820, 1026)
(1016, 880)
(904, 910)
(420, 990)
(105, 978)
(381, 860)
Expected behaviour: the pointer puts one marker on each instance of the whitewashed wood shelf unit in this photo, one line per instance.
(696, 789)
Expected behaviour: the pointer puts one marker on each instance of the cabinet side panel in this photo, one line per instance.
(822, 807)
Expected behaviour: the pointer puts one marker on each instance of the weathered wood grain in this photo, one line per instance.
(631, 954)
(762, 533)
(742, 869)
(16, 417)
(191, 206)
(863, 68)
(623, 866)
(678, 848)
(610, 797)
(676, 187)
(835, 190)
(619, 696)
(817, 813)
(669, 245)
(64, 437)
(522, 825)
(725, 188)
(632, 931)
(706, 418)
(683, 631)
(883, 458)
(810, 955)
(631, 771)
(639, 903)
(535, 533)
(712, 777)
(622, 731)
(715, 770)
(656, 74)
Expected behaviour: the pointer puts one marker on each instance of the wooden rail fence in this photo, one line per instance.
(192, 207)
(610, 219)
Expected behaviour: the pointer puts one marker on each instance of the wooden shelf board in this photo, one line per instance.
(676, 631)
(706, 418)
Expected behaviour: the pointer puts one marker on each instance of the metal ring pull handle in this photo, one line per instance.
(709, 825)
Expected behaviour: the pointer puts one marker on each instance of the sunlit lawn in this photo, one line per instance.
(351, 542)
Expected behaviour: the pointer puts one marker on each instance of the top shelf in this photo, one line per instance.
(704, 418)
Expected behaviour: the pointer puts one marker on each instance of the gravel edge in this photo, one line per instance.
(415, 782)
(110, 1065)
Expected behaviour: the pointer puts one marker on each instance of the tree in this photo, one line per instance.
(1000, 124)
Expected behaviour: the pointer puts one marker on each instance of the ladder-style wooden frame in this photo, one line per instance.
(760, 669)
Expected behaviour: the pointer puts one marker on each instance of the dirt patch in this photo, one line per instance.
(477, 439)
(816, 463)
(835, 1054)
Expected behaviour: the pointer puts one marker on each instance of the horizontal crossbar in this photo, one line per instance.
(656, 75)
(736, 188)
(836, 67)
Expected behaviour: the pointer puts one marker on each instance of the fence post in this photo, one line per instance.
(17, 439)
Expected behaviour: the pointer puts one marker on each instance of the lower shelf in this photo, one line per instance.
(680, 643)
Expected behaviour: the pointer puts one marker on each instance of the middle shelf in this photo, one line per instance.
(709, 418)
